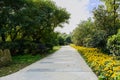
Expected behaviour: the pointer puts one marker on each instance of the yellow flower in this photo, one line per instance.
(113, 75)
(100, 62)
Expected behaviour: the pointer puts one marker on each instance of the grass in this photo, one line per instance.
(21, 61)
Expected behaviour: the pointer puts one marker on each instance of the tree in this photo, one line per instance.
(83, 33)
(105, 24)
(64, 39)
(112, 6)
(113, 44)
(8, 10)
(68, 39)
(28, 23)
(104, 21)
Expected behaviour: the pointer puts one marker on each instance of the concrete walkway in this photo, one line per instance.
(65, 64)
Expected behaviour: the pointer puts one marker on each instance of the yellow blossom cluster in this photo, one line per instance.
(105, 66)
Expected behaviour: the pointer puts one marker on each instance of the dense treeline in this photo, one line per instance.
(102, 31)
(27, 26)
(64, 39)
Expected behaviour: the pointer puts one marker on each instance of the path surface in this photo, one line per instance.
(65, 64)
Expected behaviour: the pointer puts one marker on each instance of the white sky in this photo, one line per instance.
(79, 10)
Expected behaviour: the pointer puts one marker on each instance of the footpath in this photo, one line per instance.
(65, 64)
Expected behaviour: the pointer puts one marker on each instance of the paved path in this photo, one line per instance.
(65, 64)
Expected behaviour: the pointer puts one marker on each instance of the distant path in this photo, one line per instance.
(65, 64)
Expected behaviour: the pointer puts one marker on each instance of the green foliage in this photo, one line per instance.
(111, 4)
(64, 39)
(95, 33)
(104, 20)
(28, 25)
(107, 23)
(86, 34)
(113, 44)
(60, 40)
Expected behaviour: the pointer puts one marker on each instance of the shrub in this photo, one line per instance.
(113, 44)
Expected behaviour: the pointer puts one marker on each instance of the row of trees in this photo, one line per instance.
(27, 26)
(64, 39)
(96, 33)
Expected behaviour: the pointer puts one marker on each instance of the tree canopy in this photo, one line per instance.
(96, 33)
(27, 24)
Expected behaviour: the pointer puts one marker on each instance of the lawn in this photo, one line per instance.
(22, 61)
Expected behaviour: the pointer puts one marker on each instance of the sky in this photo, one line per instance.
(79, 9)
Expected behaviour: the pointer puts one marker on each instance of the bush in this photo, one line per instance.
(113, 44)
(20, 47)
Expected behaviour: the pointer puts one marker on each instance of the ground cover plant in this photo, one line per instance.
(105, 66)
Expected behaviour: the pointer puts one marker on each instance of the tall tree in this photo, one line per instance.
(111, 7)
(29, 21)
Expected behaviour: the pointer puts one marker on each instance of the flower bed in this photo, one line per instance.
(105, 66)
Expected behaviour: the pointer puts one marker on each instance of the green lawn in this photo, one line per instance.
(22, 61)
